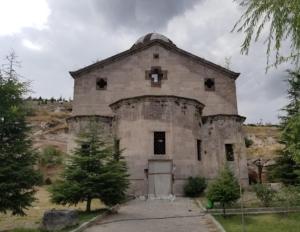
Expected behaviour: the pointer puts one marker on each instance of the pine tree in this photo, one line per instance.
(286, 168)
(17, 158)
(92, 172)
(293, 107)
(225, 189)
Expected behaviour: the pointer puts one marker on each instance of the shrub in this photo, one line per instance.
(194, 186)
(48, 181)
(265, 194)
(289, 196)
(225, 189)
(248, 142)
(50, 156)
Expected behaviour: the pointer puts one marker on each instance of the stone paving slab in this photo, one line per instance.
(180, 215)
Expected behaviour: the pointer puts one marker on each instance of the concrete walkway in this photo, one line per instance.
(181, 215)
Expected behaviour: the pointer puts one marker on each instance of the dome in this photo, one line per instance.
(152, 36)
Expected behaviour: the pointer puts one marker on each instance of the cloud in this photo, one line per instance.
(53, 37)
(30, 45)
(142, 15)
(16, 15)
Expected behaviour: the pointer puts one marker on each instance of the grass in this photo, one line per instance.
(262, 223)
(250, 201)
(83, 217)
(34, 214)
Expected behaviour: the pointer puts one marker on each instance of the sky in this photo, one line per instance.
(53, 37)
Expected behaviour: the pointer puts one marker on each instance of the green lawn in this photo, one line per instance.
(262, 223)
(82, 216)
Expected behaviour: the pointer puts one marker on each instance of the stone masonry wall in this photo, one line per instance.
(126, 78)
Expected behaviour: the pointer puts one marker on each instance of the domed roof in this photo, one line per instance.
(151, 36)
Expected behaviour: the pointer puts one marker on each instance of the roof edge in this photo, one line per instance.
(237, 116)
(133, 50)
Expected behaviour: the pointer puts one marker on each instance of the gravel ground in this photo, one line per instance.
(181, 215)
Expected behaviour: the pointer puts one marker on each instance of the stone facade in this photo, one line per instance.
(156, 87)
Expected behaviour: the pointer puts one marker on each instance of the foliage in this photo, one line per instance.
(92, 172)
(225, 189)
(290, 123)
(264, 193)
(282, 17)
(293, 94)
(48, 181)
(262, 223)
(285, 170)
(289, 195)
(290, 137)
(194, 186)
(50, 156)
(248, 142)
(17, 158)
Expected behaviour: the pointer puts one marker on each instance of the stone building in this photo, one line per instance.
(174, 113)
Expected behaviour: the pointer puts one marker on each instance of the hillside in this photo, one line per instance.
(265, 141)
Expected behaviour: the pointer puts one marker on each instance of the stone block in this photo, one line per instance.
(54, 220)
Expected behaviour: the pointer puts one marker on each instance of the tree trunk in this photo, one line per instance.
(88, 204)
(260, 169)
(224, 212)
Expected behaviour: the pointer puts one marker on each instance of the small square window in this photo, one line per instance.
(101, 84)
(209, 84)
(229, 152)
(155, 56)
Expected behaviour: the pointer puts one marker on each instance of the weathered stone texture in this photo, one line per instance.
(126, 78)
(132, 109)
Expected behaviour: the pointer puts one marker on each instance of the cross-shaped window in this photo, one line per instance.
(156, 75)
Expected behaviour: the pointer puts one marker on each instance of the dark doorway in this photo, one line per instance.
(159, 143)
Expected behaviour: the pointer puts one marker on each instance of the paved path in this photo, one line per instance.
(181, 215)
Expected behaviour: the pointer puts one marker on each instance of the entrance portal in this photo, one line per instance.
(160, 178)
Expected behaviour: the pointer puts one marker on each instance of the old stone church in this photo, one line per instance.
(174, 113)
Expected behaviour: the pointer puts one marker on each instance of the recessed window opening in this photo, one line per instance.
(155, 55)
(159, 143)
(199, 150)
(156, 76)
(209, 84)
(101, 84)
(229, 152)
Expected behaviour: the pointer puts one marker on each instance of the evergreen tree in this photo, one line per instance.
(293, 107)
(225, 189)
(93, 172)
(286, 168)
(290, 137)
(17, 158)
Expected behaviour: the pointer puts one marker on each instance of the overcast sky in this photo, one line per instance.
(52, 37)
